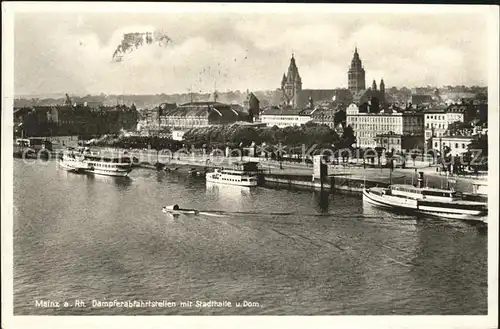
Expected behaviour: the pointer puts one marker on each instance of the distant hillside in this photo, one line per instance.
(266, 97)
(150, 101)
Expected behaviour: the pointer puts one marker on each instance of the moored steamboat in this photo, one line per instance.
(242, 174)
(435, 202)
(83, 161)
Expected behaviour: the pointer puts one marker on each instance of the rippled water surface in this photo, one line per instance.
(287, 252)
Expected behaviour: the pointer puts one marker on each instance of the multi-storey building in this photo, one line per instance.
(400, 143)
(437, 120)
(67, 120)
(198, 114)
(367, 126)
(457, 144)
(284, 117)
(413, 123)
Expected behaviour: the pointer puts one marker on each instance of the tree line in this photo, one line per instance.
(291, 136)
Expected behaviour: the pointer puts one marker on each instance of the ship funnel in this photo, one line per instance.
(421, 179)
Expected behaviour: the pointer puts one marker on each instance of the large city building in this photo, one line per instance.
(367, 126)
(437, 120)
(399, 143)
(198, 114)
(457, 144)
(284, 117)
(71, 119)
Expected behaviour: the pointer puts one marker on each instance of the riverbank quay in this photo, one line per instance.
(350, 176)
(342, 178)
(350, 173)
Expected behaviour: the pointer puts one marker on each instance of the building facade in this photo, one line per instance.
(68, 120)
(413, 123)
(400, 143)
(284, 117)
(367, 126)
(252, 106)
(198, 114)
(457, 144)
(436, 121)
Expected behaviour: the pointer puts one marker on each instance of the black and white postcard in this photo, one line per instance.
(216, 161)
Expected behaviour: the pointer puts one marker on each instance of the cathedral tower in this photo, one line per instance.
(291, 84)
(356, 74)
(382, 89)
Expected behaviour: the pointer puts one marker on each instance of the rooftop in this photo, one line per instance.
(455, 137)
(204, 109)
(282, 111)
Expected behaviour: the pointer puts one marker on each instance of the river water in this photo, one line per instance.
(99, 239)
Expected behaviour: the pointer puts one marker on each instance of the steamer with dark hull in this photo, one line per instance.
(434, 202)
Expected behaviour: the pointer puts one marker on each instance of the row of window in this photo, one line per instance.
(439, 126)
(443, 117)
(373, 119)
(434, 117)
(405, 189)
(183, 117)
(235, 180)
(284, 118)
(457, 145)
(436, 193)
(428, 134)
(368, 133)
(381, 128)
(391, 141)
(103, 165)
(184, 122)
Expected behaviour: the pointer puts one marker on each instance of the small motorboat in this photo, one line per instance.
(174, 209)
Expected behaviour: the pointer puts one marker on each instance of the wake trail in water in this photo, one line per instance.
(393, 248)
(290, 213)
(225, 212)
(320, 238)
(205, 213)
(400, 263)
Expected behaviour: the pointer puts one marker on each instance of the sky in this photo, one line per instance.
(72, 52)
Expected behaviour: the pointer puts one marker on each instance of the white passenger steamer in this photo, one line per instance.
(83, 161)
(429, 201)
(242, 174)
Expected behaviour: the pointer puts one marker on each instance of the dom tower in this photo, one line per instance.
(291, 84)
(356, 74)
